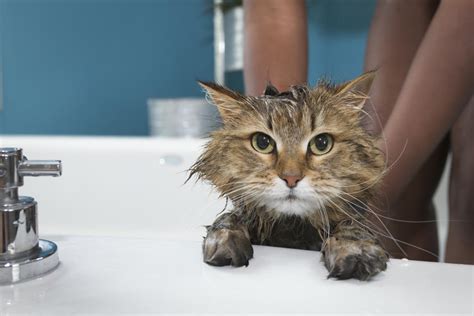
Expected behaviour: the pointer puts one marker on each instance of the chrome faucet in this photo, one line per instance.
(22, 254)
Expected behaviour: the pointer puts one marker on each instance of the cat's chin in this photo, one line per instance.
(291, 205)
(301, 200)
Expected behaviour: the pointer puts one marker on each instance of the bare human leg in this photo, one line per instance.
(396, 32)
(460, 243)
(276, 45)
(435, 93)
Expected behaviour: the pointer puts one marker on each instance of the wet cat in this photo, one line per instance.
(299, 169)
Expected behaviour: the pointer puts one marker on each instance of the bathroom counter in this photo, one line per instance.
(125, 275)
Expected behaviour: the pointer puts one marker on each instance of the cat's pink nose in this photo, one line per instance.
(291, 181)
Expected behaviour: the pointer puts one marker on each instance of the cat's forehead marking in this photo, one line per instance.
(295, 94)
(295, 116)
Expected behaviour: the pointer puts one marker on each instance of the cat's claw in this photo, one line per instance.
(357, 259)
(227, 247)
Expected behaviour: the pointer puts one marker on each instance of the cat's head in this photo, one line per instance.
(294, 152)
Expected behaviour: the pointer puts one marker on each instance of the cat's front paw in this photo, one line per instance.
(359, 259)
(227, 247)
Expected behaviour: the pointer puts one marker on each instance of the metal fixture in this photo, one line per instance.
(22, 254)
(219, 42)
(228, 38)
(229, 43)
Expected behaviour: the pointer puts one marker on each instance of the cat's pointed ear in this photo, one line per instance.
(358, 88)
(228, 102)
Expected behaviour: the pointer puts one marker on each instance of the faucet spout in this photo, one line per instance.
(37, 168)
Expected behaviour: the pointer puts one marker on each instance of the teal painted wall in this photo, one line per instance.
(87, 67)
(337, 36)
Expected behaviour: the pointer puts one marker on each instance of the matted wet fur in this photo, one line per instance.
(272, 159)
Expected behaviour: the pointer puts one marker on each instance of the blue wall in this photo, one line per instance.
(337, 37)
(88, 66)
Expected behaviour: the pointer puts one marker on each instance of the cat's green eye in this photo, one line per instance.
(263, 143)
(321, 144)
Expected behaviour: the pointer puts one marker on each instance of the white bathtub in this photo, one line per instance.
(129, 236)
(127, 187)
